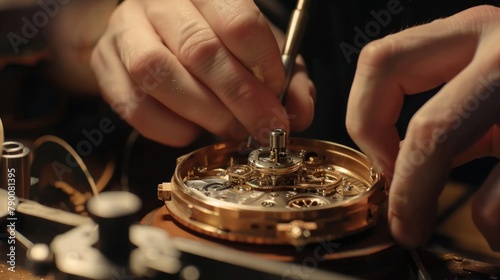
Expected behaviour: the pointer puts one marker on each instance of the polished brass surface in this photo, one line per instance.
(318, 190)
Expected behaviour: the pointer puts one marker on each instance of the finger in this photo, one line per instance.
(143, 112)
(203, 54)
(484, 147)
(400, 64)
(452, 121)
(301, 97)
(403, 63)
(248, 36)
(485, 209)
(153, 67)
(245, 32)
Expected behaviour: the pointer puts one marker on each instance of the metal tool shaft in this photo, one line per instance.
(294, 35)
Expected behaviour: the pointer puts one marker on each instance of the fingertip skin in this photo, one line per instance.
(406, 235)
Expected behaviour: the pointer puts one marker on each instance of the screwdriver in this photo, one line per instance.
(294, 35)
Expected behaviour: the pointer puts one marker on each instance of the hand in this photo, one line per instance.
(171, 67)
(460, 123)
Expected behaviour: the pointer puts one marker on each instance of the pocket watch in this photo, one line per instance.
(294, 191)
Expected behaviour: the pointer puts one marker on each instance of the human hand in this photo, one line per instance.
(460, 123)
(171, 67)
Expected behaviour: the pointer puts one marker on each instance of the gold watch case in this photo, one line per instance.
(296, 191)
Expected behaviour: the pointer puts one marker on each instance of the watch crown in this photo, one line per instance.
(164, 191)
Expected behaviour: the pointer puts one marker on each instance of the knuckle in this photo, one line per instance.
(479, 15)
(243, 25)
(198, 45)
(237, 91)
(370, 51)
(380, 53)
(150, 65)
(140, 63)
(423, 125)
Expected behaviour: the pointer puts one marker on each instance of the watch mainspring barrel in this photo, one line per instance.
(296, 191)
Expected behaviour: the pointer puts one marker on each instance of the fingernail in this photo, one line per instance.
(257, 71)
